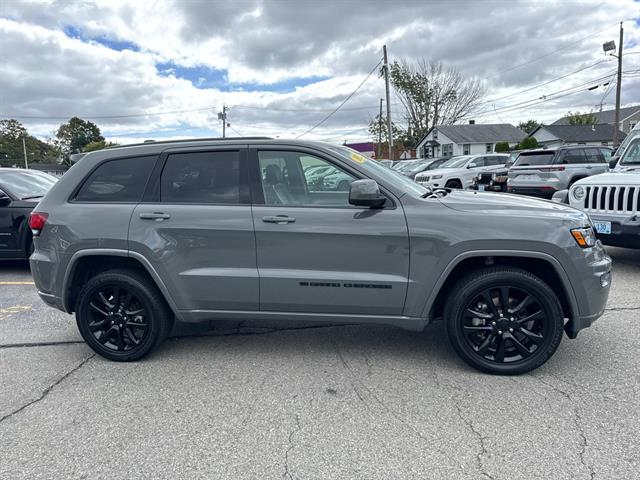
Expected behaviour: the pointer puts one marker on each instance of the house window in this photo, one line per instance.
(466, 149)
(435, 134)
(447, 150)
(489, 147)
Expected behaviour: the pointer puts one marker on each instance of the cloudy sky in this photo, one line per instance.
(163, 69)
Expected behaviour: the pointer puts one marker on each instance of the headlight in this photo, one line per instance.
(493, 176)
(584, 236)
(436, 177)
(578, 193)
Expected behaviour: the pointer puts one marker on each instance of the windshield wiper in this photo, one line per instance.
(29, 197)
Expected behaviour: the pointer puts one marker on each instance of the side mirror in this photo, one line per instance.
(472, 165)
(561, 196)
(4, 199)
(612, 163)
(366, 193)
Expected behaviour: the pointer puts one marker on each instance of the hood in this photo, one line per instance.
(484, 203)
(630, 177)
(441, 171)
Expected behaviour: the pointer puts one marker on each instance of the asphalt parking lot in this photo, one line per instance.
(301, 401)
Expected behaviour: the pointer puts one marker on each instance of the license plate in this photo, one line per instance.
(603, 227)
(481, 188)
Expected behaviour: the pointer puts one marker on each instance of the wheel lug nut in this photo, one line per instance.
(511, 329)
(512, 319)
(499, 332)
(493, 323)
(501, 315)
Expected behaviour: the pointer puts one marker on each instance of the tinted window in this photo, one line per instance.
(202, 177)
(121, 180)
(593, 155)
(606, 153)
(574, 156)
(479, 162)
(288, 178)
(494, 161)
(534, 158)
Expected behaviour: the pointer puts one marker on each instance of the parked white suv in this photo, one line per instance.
(459, 172)
(612, 200)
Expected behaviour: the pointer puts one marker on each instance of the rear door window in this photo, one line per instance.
(117, 181)
(594, 155)
(214, 177)
(574, 156)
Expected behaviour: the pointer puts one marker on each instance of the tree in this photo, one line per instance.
(76, 134)
(432, 94)
(528, 126)
(12, 132)
(578, 118)
(99, 145)
(378, 127)
(501, 147)
(528, 143)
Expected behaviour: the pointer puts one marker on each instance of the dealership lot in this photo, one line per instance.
(303, 401)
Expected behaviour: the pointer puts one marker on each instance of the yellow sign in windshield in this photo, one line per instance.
(356, 157)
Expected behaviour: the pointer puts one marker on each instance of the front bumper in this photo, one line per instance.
(625, 232)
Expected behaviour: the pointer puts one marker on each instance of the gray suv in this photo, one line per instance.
(132, 238)
(541, 173)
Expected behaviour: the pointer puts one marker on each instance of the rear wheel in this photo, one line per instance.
(122, 316)
(504, 320)
(453, 184)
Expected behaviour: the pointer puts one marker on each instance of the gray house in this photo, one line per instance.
(629, 118)
(556, 135)
(471, 139)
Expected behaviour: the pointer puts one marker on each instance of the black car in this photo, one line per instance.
(495, 181)
(20, 191)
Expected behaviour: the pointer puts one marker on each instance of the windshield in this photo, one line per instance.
(24, 184)
(631, 155)
(537, 158)
(456, 162)
(392, 176)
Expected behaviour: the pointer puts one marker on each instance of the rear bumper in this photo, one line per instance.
(52, 300)
(540, 192)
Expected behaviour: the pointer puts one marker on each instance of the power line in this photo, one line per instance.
(66, 117)
(343, 102)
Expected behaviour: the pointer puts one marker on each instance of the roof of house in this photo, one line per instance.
(582, 133)
(361, 147)
(479, 133)
(608, 116)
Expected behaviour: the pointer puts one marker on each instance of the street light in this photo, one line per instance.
(609, 49)
(609, 46)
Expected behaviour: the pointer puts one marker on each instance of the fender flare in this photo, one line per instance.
(564, 277)
(70, 271)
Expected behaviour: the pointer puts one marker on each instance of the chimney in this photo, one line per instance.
(472, 122)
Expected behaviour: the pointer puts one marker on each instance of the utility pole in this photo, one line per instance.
(380, 131)
(617, 118)
(24, 149)
(386, 81)
(223, 116)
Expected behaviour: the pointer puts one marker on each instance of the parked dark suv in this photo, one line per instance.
(133, 237)
(541, 173)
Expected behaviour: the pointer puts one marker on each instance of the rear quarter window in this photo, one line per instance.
(117, 181)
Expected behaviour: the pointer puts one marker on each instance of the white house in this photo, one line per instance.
(556, 135)
(471, 139)
(629, 118)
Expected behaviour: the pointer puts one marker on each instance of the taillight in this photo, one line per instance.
(552, 169)
(37, 221)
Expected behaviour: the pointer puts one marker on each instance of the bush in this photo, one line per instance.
(528, 143)
(502, 147)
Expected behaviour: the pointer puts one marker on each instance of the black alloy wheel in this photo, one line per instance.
(504, 320)
(122, 316)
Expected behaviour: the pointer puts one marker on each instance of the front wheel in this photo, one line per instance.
(122, 316)
(504, 320)
(454, 184)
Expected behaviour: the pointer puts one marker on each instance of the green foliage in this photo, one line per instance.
(528, 143)
(578, 118)
(99, 145)
(75, 135)
(501, 147)
(12, 133)
(399, 134)
(528, 126)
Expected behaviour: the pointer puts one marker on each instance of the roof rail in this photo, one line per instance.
(187, 140)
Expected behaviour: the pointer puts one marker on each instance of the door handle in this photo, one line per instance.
(280, 219)
(155, 216)
(589, 167)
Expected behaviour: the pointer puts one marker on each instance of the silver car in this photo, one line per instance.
(134, 238)
(541, 173)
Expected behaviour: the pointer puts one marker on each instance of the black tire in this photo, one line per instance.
(485, 338)
(453, 184)
(116, 309)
